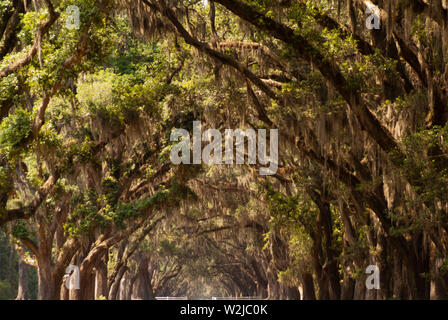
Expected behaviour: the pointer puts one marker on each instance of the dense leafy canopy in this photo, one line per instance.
(86, 178)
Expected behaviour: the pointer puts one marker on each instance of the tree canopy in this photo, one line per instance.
(86, 115)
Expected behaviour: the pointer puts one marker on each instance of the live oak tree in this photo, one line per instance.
(86, 115)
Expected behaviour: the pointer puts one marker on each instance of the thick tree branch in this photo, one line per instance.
(29, 210)
(43, 29)
(30, 244)
(204, 47)
(329, 70)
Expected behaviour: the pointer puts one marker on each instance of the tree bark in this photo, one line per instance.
(308, 286)
(46, 282)
(142, 289)
(22, 292)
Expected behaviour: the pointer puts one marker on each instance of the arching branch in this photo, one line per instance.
(42, 30)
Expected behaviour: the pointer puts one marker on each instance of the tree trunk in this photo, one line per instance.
(46, 285)
(115, 286)
(101, 278)
(22, 292)
(142, 288)
(308, 286)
